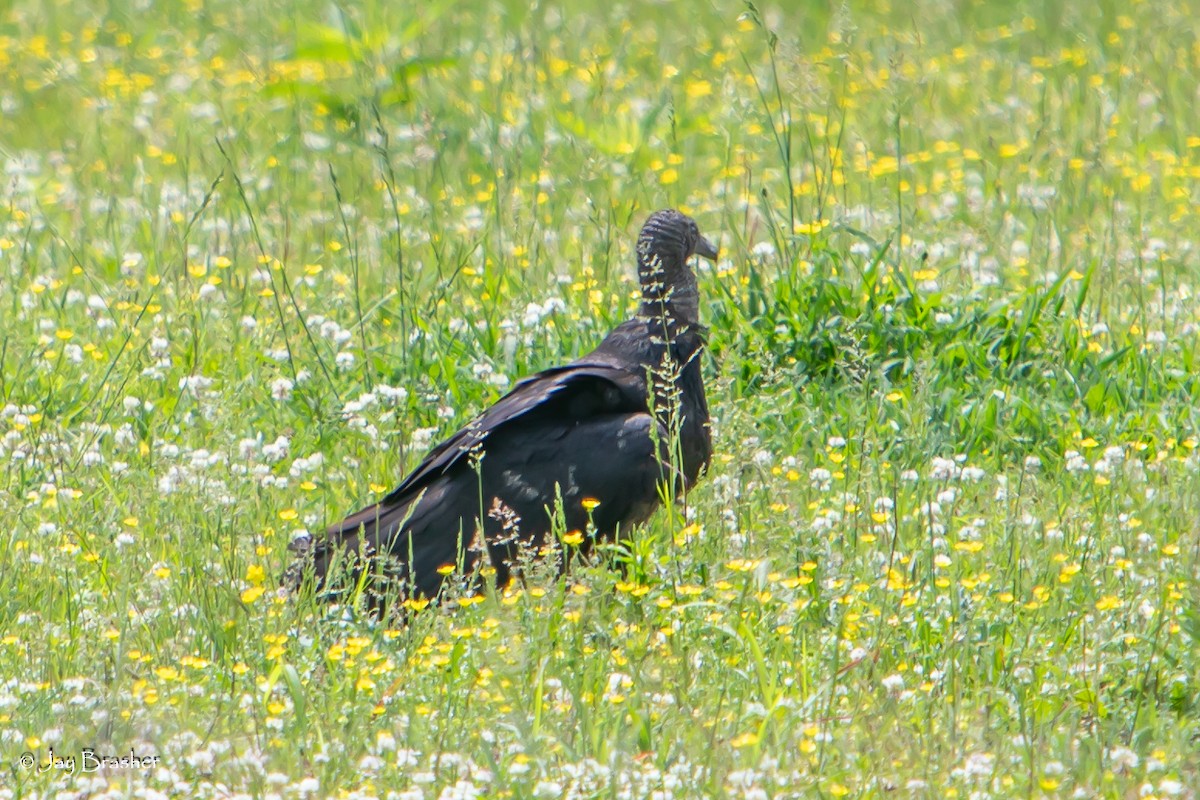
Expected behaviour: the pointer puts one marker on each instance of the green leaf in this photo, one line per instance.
(325, 43)
(419, 66)
(296, 691)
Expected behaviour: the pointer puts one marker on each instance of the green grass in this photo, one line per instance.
(948, 545)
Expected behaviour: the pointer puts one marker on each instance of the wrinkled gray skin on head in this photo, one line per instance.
(668, 239)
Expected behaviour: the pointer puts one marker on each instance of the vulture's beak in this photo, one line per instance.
(706, 249)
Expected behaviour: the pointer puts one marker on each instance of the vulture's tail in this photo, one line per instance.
(404, 550)
(348, 558)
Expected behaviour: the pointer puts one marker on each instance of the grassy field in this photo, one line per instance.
(257, 256)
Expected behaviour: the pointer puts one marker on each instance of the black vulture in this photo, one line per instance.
(592, 441)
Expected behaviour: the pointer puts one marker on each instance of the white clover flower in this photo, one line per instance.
(1123, 759)
(767, 249)
(742, 778)
(195, 384)
(392, 394)
(370, 764)
(364, 401)
(461, 790)
(617, 682)
(972, 474)
(301, 466)
(422, 437)
(168, 483)
(199, 458)
(1171, 787)
(276, 451)
(1076, 462)
(281, 388)
(202, 760)
(979, 765)
(942, 469)
(860, 249)
(315, 141)
(533, 315)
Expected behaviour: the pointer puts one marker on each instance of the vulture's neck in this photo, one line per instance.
(676, 312)
(670, 295)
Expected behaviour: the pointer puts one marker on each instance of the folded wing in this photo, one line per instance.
(577, 433)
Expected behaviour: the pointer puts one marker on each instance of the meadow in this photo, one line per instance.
(256, 257)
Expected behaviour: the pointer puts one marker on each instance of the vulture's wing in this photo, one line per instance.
(420, 522)
(573, 392)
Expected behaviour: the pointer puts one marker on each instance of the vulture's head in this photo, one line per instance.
(668, 239)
